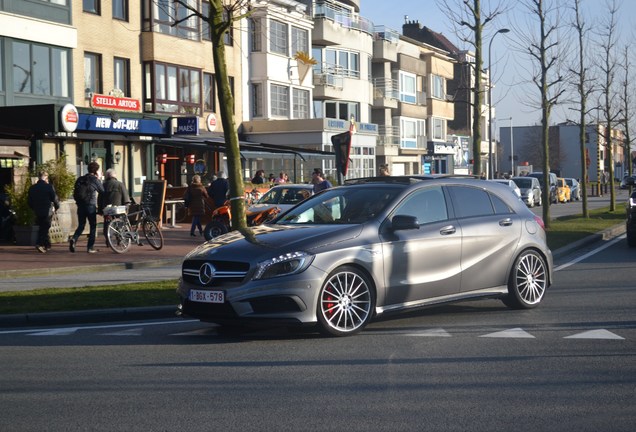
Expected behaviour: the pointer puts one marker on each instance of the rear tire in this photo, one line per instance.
(527, 282)
(118, 236)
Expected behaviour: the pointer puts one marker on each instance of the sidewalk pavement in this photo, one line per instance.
(26, 261)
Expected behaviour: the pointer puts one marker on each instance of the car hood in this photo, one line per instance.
(263, 207)
(264, 241)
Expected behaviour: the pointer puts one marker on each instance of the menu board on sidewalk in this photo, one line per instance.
(153, 196)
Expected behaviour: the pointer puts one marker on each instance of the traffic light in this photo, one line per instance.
(342, 148)
(190, 159)
(163, 158)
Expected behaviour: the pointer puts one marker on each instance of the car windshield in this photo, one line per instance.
(569, 182)
(525, 183)
(284, 195)
(342, 205)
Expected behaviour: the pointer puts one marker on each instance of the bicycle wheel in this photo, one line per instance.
(118, 236)
(153, 234)
(181, 211)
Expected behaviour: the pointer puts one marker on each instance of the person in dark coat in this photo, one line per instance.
(218, 189)
(43, 200)
(115, 194)
(87, 210)
(196, 199)
(259, 178)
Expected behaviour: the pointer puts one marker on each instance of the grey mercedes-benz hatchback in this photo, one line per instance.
(372, 246)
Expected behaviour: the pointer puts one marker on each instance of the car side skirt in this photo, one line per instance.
(479, 294)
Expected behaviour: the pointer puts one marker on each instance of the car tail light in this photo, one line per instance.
(539, 221)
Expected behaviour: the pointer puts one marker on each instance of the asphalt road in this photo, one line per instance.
(569, 364)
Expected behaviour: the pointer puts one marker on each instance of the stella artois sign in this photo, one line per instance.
(101, 101)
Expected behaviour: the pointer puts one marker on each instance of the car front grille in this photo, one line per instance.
(226, 272)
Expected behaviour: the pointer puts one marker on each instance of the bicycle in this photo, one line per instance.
(122, 232)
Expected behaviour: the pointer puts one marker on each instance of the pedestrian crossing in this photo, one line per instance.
(136, 330)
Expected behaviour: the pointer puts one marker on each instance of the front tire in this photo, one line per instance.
(153, 234)
(214, 229)
(527, 282)
(345, 303)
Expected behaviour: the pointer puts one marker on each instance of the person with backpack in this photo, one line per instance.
(218, 189)
(43, 200)
(85, 194)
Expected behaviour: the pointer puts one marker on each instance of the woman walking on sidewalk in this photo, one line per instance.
(195, 199)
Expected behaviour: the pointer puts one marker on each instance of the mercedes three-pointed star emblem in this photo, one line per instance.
(206, 273)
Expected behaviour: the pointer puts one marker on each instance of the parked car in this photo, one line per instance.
(626, 181)
(552, 180)
(575, 188)
(511, 184)
(373, 246)
(283, 196)
(530, 189)
(563, 191)
(630, 224)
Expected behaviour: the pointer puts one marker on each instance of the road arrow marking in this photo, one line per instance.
(438, 332)
(130, 332)
(55, 332)
(595, 334)
(510, 333)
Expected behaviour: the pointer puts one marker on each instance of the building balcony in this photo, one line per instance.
(385, 44)
(385, 93)
(332, 24)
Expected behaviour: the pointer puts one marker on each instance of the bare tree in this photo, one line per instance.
(608, 67)
(470, 22)
(627, 103)
(584, 89)
(543, 43)
(220, 15)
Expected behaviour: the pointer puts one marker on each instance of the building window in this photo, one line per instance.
(120, 9)
(437, 87)
(439, 129)
(40, 70)
(346, 63)
(255, 30)
(408, 89)
(280, 100)
(177, 89)
(257, 100)
(300, 104)
(92, 74)
(278, 37)
(175, 19)
(209, 100)
(300, 40)
(207, 32)
(342, 110)
(408, 133)
(91, 6)
(122, 75)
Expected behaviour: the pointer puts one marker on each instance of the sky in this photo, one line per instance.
(510, 94)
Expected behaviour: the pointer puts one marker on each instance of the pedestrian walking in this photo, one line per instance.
(259, 178)
(282, 178)
(87, 187)
(44, 202)
(115, 194)
(196, 197)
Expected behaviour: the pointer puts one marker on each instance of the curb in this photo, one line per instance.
(606, 234)
(6, 274)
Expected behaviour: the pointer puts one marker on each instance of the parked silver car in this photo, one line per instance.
(575, 188)
(283, 196)
(373, 246)
(530, 189)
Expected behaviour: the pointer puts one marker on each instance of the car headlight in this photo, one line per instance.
(283, 265)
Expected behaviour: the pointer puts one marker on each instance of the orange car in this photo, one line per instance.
(563, 190)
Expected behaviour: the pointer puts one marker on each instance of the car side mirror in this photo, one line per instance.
(404, 222)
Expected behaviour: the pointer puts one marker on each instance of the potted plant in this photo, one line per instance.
(24, 229)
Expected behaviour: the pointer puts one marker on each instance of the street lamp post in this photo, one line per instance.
(512, 150)
(490, 164)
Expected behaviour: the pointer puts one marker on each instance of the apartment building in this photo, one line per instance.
(36, 43)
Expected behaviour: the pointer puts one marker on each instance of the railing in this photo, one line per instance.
(388, 135)
(386, 34)
(386, 88)
(342, 16)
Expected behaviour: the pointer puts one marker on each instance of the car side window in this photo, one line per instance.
(427, 205)
(470, 201)
(500, 206)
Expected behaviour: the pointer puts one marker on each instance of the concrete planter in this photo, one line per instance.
(26, 235)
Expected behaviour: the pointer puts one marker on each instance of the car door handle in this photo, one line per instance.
(447, 230)
(505, 222)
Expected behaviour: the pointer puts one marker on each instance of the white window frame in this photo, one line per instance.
(278, 37)
(279, 100)
(438, 129)
(408, 94)
(300, 103)
(438, 87)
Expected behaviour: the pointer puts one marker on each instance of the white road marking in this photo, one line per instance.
(106, 326)
(130, 332)
(590, 253)
(438, 332)
(55, 332)
(510, 333)
(595, 334)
